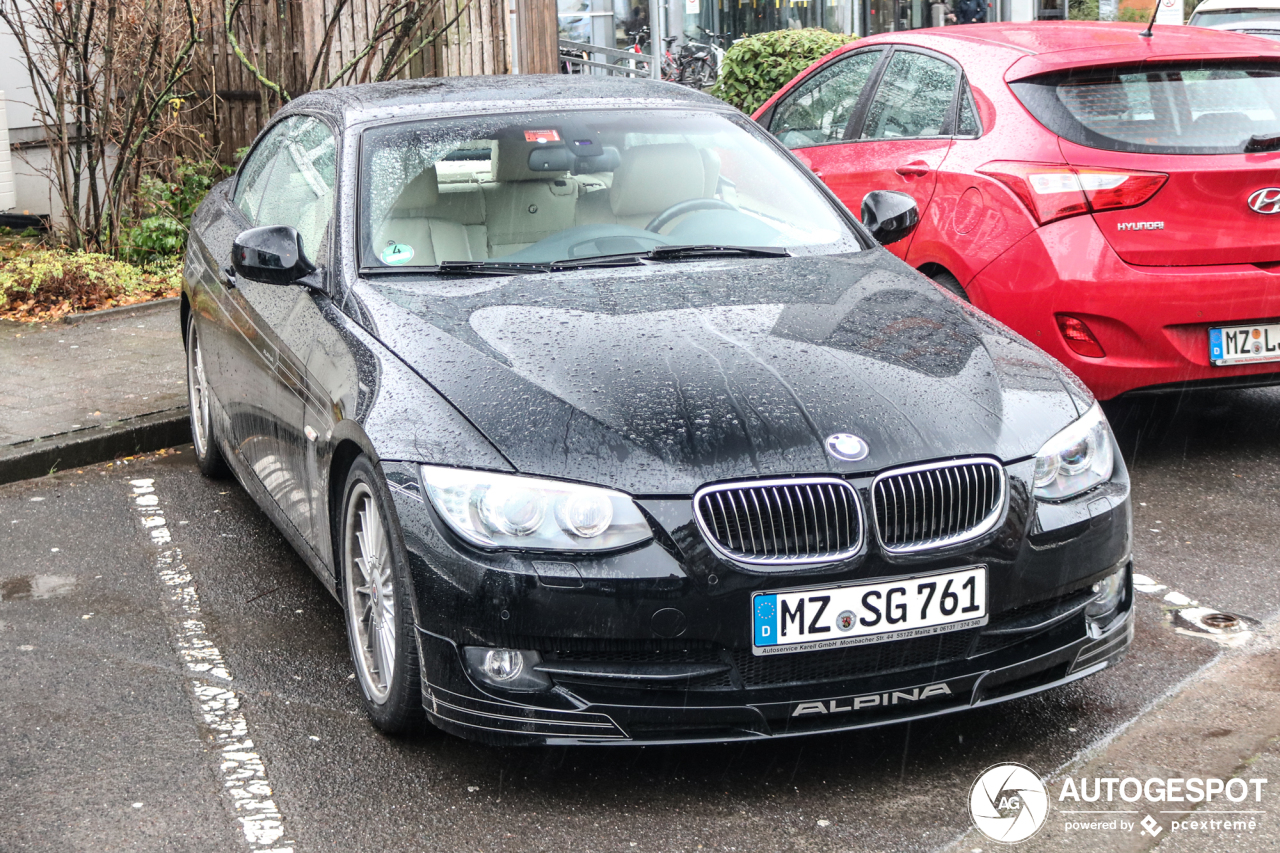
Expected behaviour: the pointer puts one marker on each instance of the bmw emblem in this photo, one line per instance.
(848, 447)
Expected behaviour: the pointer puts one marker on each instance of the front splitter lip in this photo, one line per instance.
(597, 725)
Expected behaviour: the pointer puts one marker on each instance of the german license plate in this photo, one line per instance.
(1244, 344)
(802, 620)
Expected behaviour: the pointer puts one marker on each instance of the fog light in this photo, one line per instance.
(1108, 595)
(503, 664)
(510, 669)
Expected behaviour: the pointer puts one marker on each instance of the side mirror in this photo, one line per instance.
(271, 254)
(889, 216)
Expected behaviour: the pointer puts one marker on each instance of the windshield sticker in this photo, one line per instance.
(396, 254)
(541, 136)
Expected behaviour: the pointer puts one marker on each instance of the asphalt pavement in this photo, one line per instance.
(129, 590)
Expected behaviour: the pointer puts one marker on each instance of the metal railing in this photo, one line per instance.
(613, 62)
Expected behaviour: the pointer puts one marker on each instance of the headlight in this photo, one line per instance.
(1076, 459)
(503, 511)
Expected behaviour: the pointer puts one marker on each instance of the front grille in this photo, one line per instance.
(929, 506)
(852, 662)
(812, 520)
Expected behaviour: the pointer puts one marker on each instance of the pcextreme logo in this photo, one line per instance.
(1008, 803)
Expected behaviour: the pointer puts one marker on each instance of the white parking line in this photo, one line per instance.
(244, 776)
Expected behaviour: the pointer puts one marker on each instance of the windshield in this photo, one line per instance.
(548, 187)
(1191, 108)
(1229, 16)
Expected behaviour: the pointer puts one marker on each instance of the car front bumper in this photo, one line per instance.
(604, 626)
(456, 706)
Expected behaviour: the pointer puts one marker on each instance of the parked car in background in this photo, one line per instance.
(1264, 27)
(1212, 13)
(1112, 197)
(606, 422)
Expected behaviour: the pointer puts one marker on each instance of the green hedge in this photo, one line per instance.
(760, 65)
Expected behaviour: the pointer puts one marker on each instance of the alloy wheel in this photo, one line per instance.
(370, 593)
(197, 392)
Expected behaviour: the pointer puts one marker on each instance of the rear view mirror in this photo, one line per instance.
(558, 159)
(561, 159)
(607, 160)
(271, 254)
(889, 216)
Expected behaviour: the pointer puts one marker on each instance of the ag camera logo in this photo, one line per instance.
(1008, 803)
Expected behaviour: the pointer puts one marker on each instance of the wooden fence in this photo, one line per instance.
(282, 38)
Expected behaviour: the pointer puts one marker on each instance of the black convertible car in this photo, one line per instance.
(606, 422)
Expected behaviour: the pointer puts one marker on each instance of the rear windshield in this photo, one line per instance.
(1172, 109)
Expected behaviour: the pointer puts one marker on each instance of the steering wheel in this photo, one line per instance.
(682, 207)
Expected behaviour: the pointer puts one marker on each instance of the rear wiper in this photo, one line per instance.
(674, 253)
(1262, 142)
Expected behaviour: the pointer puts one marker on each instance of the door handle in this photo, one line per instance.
(229, 276)
(914, 169)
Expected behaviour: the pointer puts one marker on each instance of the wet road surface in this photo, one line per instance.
(105, 746)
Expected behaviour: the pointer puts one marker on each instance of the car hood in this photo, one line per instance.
(658, 379)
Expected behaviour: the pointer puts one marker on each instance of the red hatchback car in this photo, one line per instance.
(1112, 197)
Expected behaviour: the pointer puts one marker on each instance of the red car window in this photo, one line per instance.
(818, 109)
(913, 98)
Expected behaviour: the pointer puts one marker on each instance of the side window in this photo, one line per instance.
(967, 117)
(820, 107)
(912, 99)
(299, 190)
(253, 176)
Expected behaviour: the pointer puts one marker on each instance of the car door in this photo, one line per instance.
(255, 372)
(299, 192)
(899, 134)
(961, 232)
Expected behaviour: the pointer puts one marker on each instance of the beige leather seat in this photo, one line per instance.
(650, 179)
(439, 225)
(524, 206)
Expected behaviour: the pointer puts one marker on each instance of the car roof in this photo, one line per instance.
(1045, 46)
(446, 95)
(1242, 5)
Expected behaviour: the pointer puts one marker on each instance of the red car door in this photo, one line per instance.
(899, 136)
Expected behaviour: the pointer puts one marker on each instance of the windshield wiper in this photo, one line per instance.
(675, 253)
(1262, 142)
(492, 267)
(668, 253)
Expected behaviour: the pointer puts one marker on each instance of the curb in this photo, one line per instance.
(42, 456)
(107, 313)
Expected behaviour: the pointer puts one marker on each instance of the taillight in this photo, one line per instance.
(1053, 192)
(1079, 336)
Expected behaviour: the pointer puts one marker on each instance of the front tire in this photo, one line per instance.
(208, 455)
(375, 597)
